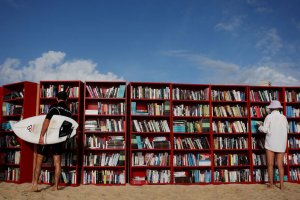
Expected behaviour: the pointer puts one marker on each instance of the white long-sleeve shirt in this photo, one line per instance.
(276, 129)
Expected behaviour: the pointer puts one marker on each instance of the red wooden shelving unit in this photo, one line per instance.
(104, 133)
(18, 101)
(71, 158)
(292, 111)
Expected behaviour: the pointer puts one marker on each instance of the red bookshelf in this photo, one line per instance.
(104, 133)
(230, 134)
(71, 158)
(292, 112)
(18, 101)
(259, 98)
(149, 129)
(192, 146)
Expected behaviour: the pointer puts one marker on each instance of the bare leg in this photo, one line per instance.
(57, 164)
(37, 172)
(279, 158)
(270, 163)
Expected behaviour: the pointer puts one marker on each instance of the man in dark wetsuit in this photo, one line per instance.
(59, 108)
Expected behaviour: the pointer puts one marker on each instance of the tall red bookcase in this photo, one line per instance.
(292, 112)
(71, 158)
(231, 155)
(149, 130)
(259, 98)
(18, 101)
(104, 133)
(191, 134)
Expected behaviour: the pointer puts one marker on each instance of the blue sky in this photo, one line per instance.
(180, 41)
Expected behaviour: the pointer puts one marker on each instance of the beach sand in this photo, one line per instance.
(161, 192)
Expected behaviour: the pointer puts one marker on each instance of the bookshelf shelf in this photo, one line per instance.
(17, 101)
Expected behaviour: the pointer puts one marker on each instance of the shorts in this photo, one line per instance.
(54, 149)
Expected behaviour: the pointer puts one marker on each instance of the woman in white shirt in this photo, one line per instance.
(276, 128)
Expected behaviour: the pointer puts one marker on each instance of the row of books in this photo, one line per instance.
(232, 176)
(103, 92)
(292, 96)
(198, 110)
(150, 125)
(228, 95)
(105, 125)
(294, 143)
(158, 176)
(6, 126)
(185, 126)
(11, 109)
(258, 111)
(10, 174)
(259, 159)
(73, 106)
(13, 95)
(68, 159)
(52, 90)
(292, 111)
(229, 127)
(104, 159)
(106, 109)
(160, 142)
(230, 143)
(230, 111)
(191, 160)
(231, 159)
(294, 126)
(261, 175)
(258, 142)
(10, 157)
(145, 92)
(294, 159)
(101, 142)
(69, 177)
(103, 177)
(150, 159)
(150, 108)
(295, 174)
(192, 176)
(9, 141)
(264, 95)
(191, 143)
(186, 94)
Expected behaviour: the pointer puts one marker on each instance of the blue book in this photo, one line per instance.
(133, 107)
(121, 91)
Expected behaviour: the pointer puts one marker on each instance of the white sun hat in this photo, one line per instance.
(274, 104)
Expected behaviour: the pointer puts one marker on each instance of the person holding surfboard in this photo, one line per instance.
(59, 108)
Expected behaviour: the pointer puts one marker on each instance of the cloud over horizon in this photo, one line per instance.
(52, 65)
(230, 73)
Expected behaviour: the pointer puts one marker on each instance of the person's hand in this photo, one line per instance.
(41, 140)
(259, 123)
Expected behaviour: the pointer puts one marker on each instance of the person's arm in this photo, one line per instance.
(265, 127)
(44, 130)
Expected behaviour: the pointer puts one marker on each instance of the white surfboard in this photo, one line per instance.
(60, 128)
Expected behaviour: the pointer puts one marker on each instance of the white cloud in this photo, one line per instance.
(52, 66)
(255, 75)
(230, 25)
(270, 42)
(202, 62)
(230, 73)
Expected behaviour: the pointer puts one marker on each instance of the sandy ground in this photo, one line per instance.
(161, 192)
